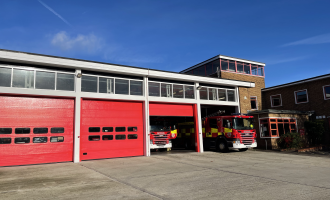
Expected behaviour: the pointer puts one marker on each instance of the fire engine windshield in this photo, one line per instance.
(159, 128)
(243, 124)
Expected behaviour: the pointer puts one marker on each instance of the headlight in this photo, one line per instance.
(151, 142)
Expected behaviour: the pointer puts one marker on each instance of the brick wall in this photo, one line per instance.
(315, 97)
(245, 104)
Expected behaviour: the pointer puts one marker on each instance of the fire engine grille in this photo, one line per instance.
(247, 138)
(161, 139)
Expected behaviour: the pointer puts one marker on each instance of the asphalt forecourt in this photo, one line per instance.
(190, 175)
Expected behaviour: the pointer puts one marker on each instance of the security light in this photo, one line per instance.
(79, 75)
(199, 87)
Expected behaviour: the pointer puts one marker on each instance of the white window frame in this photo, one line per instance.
(172, 96)
(323, 88)
(295, 96)
(271, 100)
(256, 102)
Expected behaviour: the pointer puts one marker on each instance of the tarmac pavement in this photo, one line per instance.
(180, 175)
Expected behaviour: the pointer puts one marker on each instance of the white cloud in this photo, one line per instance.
(87, 43)
(320, 39)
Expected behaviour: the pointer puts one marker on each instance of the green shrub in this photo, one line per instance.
(289, 140)
(315, 131)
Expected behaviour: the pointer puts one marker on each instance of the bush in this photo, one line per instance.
(315, 131)
(289, 140)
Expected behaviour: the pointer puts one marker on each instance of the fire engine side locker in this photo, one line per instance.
(105, 129)
(35, 130)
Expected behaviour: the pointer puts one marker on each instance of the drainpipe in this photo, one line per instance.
(266, 143)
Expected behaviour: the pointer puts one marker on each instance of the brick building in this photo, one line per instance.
(231, 68)
(309, 96)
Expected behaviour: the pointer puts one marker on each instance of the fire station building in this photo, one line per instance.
(55, 109)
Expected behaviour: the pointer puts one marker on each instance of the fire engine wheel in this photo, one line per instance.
(222, 146)
(244, 149)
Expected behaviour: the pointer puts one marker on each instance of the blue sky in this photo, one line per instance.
(291, 37)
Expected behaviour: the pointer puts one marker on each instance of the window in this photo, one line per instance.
(94, 138)
(120, 137)
(275, 127)
(254, 70)
(189, 92)
(6, 130)
(120, 129)
(326, 91)
(121, 86)
(213, 123)
(45, 80)
(240, 68)
(132, 129)
(57, 139)
(5, 140)
(301, 96)
(246, 68)
(261, 71)
(166, 90)
(178, 91)
(107, 137)
(136, 87)
(23, 78)
(5, 77)
(212, 94)
(40, 130)
(232, 66)
(65, 82)
(200, 71)
(254, 105)
(224, 64)
(107, 129)
(203, 93)
(276, 100)
(222, 95)
(94, 129)
(215, 65)
(40, 139)
(22, 130)
(231, 95)
(22, 140)
(88, 83)
(132, 136)
(106, 85)
(154, 89)
(208, 69)
(57, 130)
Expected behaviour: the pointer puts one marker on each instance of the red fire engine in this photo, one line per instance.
(222, 132)
(161, 137)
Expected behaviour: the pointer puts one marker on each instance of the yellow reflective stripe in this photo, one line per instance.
(187, 134)
(203, 130)
(214, 130)
(219, 133)
(192, 130)
(208, 134)
(174, 131)
(228, 130)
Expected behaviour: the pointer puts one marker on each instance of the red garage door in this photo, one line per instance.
(35, 130)
(162, 109)
(111, 129)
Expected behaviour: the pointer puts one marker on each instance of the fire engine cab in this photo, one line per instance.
(161, 137)
(234, 131)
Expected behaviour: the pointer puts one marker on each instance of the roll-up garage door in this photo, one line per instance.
(111, 129)
(35, 130)
(162, 109)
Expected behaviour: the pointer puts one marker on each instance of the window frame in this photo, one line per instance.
(256, 100)
(271, 100)
(172, 84)
(295, 96)
(244, 64)
(324, 94)
(277, 125)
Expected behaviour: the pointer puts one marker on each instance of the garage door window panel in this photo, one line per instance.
(88, 83)
(57, 130)
(5, 140)
(6, 130)
(132, 129)
(106, 85)
(132, 136)
(94, 129)
(107, 137)
(22, 130)
(40, 130)
(45, 80)
(22, 140)
(5, 77)
(120, 129)
(107, 129)
(120, 137)
(23, 78)
(57, 139)
(94, 138)
(65, 82)
(39, 139)
(136, 88)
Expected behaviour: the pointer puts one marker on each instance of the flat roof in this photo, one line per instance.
(297, 82)
(274, 111)
(64, 62)
(224, 57)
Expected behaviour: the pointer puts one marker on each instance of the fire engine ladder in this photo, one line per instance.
(219, 112)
